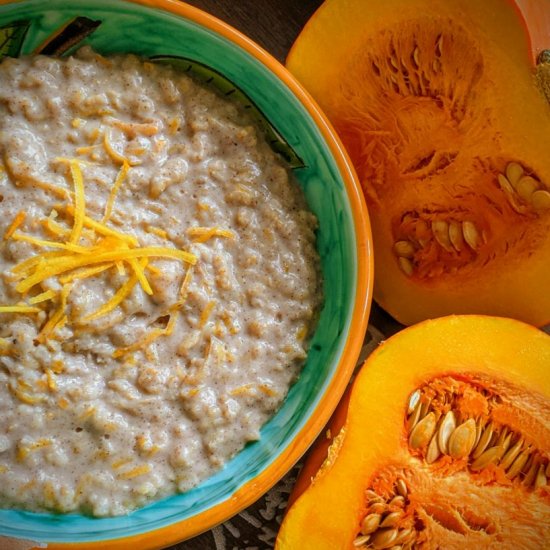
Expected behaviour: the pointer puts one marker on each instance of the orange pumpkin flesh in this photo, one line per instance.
(437, 105)
(464, 384)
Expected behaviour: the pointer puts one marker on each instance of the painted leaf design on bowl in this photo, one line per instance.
(12, 37)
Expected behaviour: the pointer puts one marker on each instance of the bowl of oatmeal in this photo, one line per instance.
(186, 272)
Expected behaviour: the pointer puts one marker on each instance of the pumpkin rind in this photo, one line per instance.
(435, 101)
(327, 514)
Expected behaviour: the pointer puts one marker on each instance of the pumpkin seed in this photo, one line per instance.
(405, 536)
(486, 458)
(378, 508)
(531, 474)
(471, 234)
(461, 441)
(422, 433)
(505, 185)
(439, 46)
(516, 206)
(391, 519)
(511, 455)
(440, 230)
(480, 426)
(484, 440)
(404, 249)
(373, 496)
(406, 266)
(394, 63)
(436, 65)
(540, 200)
(433, 452)
(370, 523)
(384, 538)
(518, 464)
(416, 57)
(540, 480)
(361, 540)
(510, 193)
(413, 419)
(397, 501)
(526, 186)
(503, 444)
(446, 428)
(401, 488)
(424, 407)
(413, 401)
(532, 458)
(514, 171)
(455, 235)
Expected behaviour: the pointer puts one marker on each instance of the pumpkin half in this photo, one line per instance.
(445, 444)
(448, 126)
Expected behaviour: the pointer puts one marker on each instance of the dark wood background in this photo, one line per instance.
(274, 25)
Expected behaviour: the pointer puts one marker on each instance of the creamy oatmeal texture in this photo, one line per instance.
(159, 281)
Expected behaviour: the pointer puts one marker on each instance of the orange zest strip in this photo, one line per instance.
(205, 315)
(185, 283)
(61, 192)
(135, 472)
(17, 221)
(120, 268)
(132, 129)
(54, 228)
(150, 337)
(85, 273)
(103, 229)
(157, 231)
(118, 297)
(79, 201)
(50, 244)
(203, 234)
(44, 296)
(171, 323)
(116, 186)
(113, 153)
(19, 309)
(138, 270)
(67, 263)
(86, 149)
(56, 317)
(29, 263)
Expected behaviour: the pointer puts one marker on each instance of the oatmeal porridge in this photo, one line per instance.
(158, 282)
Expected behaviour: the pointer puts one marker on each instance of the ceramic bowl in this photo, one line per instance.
(152, 28)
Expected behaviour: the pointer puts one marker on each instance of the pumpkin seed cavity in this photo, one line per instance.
(471, 429)
(418, 73)
(432, 243)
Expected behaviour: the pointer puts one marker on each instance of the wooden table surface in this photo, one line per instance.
(274, 25)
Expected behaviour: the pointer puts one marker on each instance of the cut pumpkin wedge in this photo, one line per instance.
(438, 106)
(443, 442)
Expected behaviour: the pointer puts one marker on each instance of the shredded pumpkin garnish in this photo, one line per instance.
(17, 221)
(116, 186)
(79, 201)
(78, 258)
